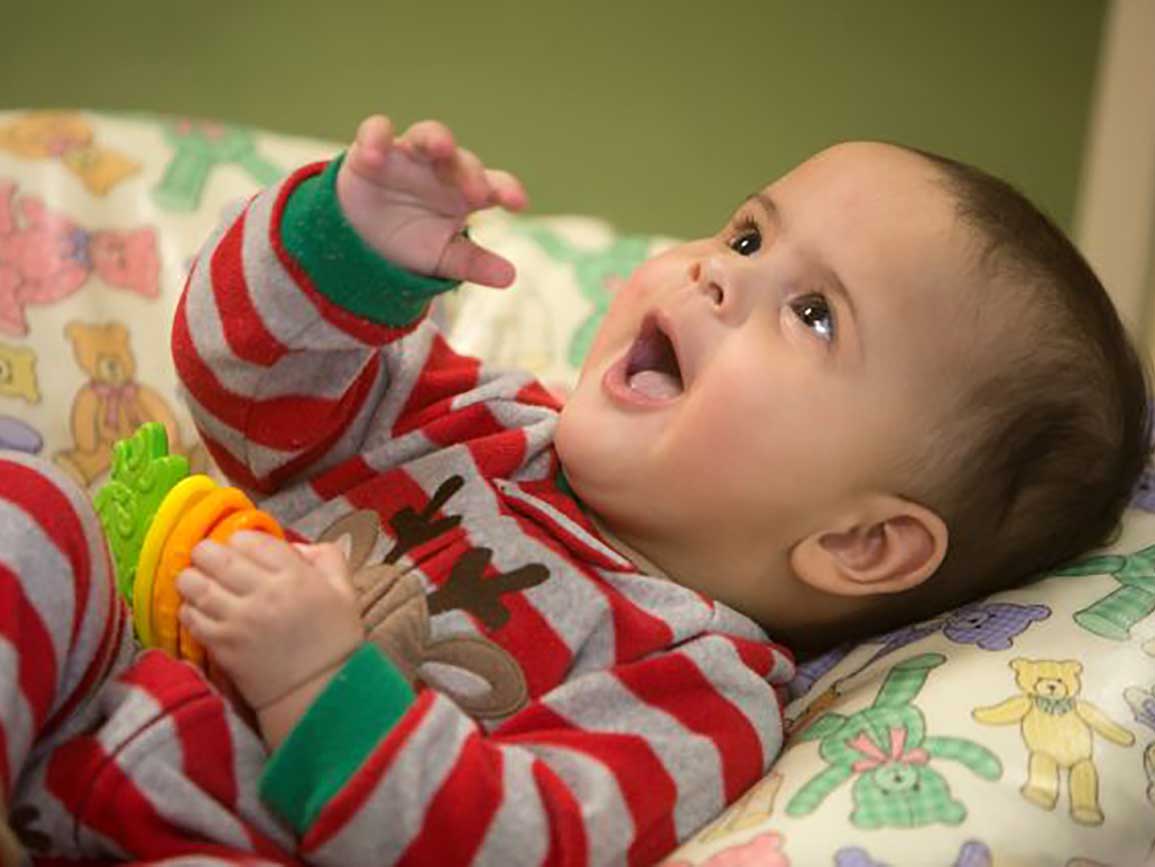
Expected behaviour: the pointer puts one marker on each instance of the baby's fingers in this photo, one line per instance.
(465, 260)
(233, 570)
(266, 551)
(506, 190)
(465, 171)
(430, 139)
(201, 593)
(203, 628)
(371, 145)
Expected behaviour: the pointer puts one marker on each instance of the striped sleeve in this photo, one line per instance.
(617, 766)
(286, 338)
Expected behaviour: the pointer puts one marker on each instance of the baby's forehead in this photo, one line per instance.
(882, 213)
(847, 154)
(868, 169)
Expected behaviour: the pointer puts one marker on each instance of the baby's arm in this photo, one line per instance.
(612, 766)
(287, 337)
(279, 619)
(626, 761)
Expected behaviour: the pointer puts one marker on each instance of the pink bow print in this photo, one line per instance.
(876, 757)
(118, 396)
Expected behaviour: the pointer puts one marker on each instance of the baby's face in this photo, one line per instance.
(746, 389)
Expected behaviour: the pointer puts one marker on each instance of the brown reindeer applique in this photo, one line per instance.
(11, 855)
(484, 679)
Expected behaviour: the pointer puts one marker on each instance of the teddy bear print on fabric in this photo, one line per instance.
(1142, 703)
(1058, 729)
(45, 257)
(1088, 862)
(972, 854)
(986, 625)
(814, 709)
(1144, 496)
(886, 749)
(18, 373)
(68, 137)
(112, 404)
(765, 850)
(19, 436)
(199, 146)
(1114, 615)
(18, 382)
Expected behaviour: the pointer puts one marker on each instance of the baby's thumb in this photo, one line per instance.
(465, 260)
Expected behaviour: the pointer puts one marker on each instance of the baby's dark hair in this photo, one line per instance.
(1041, 453)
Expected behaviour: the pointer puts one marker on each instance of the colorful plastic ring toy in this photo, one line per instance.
(184, 494)
(194, 526)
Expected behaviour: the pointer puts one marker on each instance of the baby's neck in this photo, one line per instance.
(643, 563)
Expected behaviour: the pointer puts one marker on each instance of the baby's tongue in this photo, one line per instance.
(656, 384)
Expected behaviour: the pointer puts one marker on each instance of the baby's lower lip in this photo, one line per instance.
(614, 383)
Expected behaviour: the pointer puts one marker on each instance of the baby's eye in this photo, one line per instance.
(747, 239)
(814, 312)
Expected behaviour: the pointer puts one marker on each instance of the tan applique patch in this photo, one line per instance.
(11, 853)
(479, 675)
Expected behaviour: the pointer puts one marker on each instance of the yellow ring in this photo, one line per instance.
(193, 526)
(183, 495)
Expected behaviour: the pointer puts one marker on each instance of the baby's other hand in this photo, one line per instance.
(271, 615)
(408, 198)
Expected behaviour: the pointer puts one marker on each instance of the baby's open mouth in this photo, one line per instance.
(652, 365)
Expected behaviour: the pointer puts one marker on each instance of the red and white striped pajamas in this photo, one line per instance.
(105, 754)
(319, 385)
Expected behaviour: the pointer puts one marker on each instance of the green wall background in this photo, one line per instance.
(658, 116)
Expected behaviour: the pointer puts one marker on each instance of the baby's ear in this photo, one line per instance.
(884, 544)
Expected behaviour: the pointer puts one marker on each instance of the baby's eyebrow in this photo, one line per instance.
(768, 205)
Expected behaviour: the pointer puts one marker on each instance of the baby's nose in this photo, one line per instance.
(705, 278)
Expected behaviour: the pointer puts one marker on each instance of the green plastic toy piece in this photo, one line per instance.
(1113, 616)
(143, 472)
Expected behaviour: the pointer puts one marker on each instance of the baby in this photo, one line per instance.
(508, 632)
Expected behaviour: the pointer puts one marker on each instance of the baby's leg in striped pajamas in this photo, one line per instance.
(63, 630)
(105, 753)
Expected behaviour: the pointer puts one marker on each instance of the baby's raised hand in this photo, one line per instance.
(408, 198)
(272, 617)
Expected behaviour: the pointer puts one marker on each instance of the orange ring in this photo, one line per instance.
(245, 519)
(192, 528)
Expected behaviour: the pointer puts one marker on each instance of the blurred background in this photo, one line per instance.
(659, 117)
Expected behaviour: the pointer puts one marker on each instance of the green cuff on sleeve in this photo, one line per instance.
(338, 732)
(342, 266)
